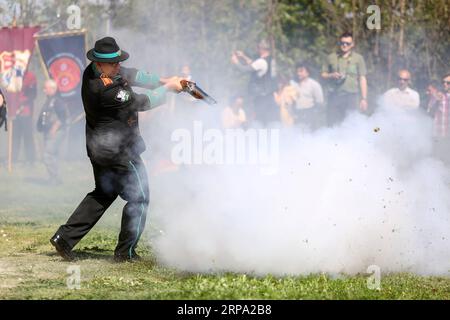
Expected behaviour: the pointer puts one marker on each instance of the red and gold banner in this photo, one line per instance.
(16, 48)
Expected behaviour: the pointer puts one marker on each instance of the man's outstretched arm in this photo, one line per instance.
(156, 97)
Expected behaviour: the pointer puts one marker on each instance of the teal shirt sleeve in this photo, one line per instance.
(146, 80)
(157, 96)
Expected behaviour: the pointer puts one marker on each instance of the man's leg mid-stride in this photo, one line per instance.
(88, 212)
(135, 191)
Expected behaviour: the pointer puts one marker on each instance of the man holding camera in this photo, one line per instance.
(345, 72)
(262, 83)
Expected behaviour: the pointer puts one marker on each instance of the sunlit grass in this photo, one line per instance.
(29, 269)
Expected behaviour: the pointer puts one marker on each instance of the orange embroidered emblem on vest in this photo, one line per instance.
(106, 80)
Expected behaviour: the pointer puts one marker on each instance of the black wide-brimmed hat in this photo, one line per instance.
(107, 50)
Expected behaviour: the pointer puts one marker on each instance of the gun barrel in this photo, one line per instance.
(195, 91)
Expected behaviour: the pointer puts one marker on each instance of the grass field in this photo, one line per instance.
(29, 268)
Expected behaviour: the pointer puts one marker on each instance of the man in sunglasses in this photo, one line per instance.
(345, 73)
(114, 146)
(402, 96)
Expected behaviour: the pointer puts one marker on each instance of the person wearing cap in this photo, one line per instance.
(114, 146)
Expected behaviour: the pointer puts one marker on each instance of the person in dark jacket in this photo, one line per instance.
(114, 146)
(53, 123)
(23, 120)
(3, 111)
(262, 83)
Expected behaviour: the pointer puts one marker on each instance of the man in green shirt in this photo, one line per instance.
(345, 73)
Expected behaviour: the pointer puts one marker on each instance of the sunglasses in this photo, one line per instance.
(345, 44)
(403, 79)
(446, 82)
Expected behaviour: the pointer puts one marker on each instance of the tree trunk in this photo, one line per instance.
(391, 41)
(401, 48)
(354, 29)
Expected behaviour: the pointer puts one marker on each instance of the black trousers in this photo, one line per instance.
(339, 105)
(265, 109)
(310, 118)
(129, 181)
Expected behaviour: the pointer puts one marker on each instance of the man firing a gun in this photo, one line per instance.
(114, 145)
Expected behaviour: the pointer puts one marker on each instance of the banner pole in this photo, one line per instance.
(10, 145)
(41, 59)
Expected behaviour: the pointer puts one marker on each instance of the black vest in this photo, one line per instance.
(112, 127)
(265, 85)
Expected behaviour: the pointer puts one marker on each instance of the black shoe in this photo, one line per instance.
(62, 247)
(118, 257)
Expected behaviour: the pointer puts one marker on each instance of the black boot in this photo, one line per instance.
(119, 257)
(62, 247)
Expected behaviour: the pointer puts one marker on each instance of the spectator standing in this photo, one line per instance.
(262, 84)
(23, 120)
(345, 73)
(3, 111)
(309, 98)
(52, 123)
(402, 96)
(437, 109)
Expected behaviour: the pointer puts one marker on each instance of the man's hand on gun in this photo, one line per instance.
(173, 83)
(179, 84)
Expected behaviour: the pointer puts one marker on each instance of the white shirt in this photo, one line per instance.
(261, 66)
(407, 99)
(309, 93)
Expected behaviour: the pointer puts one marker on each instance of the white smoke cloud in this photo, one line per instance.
(344, 198)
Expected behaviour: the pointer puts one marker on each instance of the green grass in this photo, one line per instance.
(29, 268)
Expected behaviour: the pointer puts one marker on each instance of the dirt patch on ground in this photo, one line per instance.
(9, 277)
(24, 267)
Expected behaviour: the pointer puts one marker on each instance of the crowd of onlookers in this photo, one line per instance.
(52, 122)
(302, 101)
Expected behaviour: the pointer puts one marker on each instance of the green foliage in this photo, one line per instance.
(414, 34)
